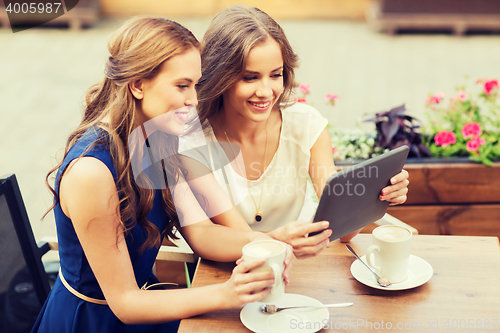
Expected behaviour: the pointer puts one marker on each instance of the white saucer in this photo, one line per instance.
(419, 272)
(293, 320)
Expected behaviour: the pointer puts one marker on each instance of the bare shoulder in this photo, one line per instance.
(323, 145)
(88, 171)
(87, 183)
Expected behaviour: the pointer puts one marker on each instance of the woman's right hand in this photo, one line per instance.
(244, 286)
(296, 234)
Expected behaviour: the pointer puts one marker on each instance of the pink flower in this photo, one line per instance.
(471, 130)
(301, 100)
(490, 85)
(474, 143)
(305, 88)
(336, 150)
(461, 95)
(331, 98)
(445, 138)
(439, 95)
(435, 99)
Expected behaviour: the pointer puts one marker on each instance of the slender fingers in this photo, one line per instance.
(253, 291)
(308, 228)
(248, 282)
(302, 252)
(392, 188)
(304, 246)
(245, 266)
(391, 192)
(398, 196)
(320, 238)
(403, 175)
(398, 182)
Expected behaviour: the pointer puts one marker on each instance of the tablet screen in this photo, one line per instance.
(350, 199)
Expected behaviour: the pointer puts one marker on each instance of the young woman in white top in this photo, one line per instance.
(244, 99)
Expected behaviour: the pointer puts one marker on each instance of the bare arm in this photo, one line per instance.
(321, 165)
(214, 200)
(209, 240)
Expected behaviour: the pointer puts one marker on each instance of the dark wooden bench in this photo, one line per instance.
(84, 14)
(458, 16)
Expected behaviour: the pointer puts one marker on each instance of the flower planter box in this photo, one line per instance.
(450, 198)
(458, 16)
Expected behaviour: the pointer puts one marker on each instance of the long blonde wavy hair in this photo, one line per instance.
(137, 49)
(225, 48)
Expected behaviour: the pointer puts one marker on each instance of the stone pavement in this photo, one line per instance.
(44, 74)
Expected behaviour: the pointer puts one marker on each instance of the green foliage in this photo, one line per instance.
(353, 144)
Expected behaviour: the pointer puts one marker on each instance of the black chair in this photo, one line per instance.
(24, 282)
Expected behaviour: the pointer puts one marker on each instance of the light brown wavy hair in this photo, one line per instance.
(137, 49)
(225, 48)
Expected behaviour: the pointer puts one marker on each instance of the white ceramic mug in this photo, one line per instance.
(274, 252)
(390, 252)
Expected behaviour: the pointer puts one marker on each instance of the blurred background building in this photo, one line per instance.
(279, 9)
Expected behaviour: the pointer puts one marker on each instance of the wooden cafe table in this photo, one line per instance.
(463, 294)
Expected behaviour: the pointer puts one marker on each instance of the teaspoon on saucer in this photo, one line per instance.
(270, 308)
(383, 281)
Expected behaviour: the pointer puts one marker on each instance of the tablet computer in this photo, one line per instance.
(350, 199)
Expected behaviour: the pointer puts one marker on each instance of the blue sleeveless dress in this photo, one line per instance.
(63, 312)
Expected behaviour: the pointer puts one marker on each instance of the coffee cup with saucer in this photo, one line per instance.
(390, 257)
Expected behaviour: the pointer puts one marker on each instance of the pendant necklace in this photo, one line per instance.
(258, 215)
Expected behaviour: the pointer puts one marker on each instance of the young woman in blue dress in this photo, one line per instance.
(109, 227)
(244, 99)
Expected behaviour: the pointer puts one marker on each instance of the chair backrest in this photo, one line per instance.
(18, 250)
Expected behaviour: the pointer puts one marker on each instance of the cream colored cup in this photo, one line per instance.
(390, 252)
(274, 252)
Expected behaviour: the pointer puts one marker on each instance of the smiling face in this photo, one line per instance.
(254, 96)
(172, 89)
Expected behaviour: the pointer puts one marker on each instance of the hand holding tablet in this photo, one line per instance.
(350, 199)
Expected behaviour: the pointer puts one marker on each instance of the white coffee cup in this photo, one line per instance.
(274, 252)
(390, 252)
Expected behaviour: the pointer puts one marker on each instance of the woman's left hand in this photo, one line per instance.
(396, 193)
